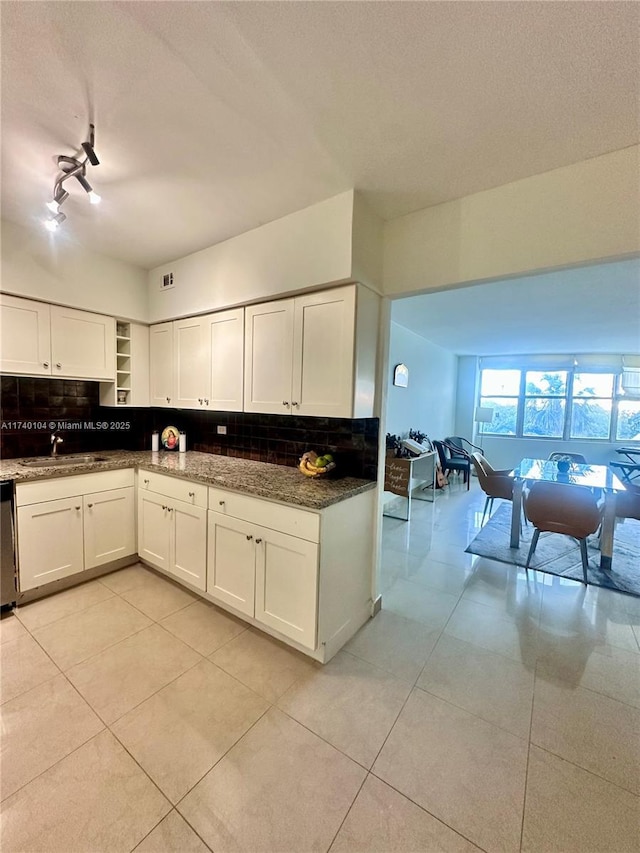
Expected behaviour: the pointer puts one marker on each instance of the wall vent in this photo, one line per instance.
(167, 281)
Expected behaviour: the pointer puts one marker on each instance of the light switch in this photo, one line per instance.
(222, 430)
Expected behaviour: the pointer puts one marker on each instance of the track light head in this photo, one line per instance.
(54, 222)
(87, 147)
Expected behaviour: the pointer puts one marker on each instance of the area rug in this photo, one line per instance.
(560, 555)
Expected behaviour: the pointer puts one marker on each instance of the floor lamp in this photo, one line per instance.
(483, 415)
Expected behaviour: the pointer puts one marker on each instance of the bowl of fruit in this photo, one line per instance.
(313, 465)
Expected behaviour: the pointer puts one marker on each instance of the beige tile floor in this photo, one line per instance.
(479, 710)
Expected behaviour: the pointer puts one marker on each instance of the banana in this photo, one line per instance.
(306, 471)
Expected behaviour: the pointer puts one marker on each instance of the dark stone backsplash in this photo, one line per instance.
(280, 439)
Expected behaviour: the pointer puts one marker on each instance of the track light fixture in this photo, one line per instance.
(72, 167)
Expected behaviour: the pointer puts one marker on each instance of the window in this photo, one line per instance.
(544, 404)
(563, 404)
(500, 390)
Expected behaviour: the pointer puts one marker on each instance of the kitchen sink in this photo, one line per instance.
(62, 461)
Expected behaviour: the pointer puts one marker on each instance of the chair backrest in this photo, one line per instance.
(442, 453)
(456, 442)
(560, 454)
(563, 508)
(628, 503)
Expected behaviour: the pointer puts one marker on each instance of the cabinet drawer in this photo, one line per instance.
(173, 487)
(66, 487)
(286, 519)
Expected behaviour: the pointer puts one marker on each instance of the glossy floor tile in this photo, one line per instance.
(482, 709)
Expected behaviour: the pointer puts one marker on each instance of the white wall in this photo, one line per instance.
(578, 214)
(428, 404)
(306, 249)
(44, 266)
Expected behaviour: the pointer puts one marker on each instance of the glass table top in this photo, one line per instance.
(593, 476)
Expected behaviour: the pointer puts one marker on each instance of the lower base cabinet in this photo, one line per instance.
(67, 525)
(265, 574)
(50, 541)
(172, 535)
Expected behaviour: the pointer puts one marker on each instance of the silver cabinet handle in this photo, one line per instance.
(294, 404)
(206, 402)
(192, 494)
(200, 400)
(58, 364)
(221, 503)
(146, 481)
(45, 364)
(89, 505)
(170, 508)
(163, 506)
(168, 399)
(249, 538)
(258, 541)
(285, 402)
(78, 507)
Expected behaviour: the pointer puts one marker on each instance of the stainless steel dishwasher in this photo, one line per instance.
(7, 549)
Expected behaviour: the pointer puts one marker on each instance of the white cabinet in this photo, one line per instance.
(50, 542)
(70, 524)
(312, 355)
(208, 354)
(109, 529)
(304, 576)
(82, 344)
(172, 533)
(265, 574)
(48, 340)
(268, 365)
(287, 585)
(224, 349)
(231, 572)
(25, 336)
(161, 364)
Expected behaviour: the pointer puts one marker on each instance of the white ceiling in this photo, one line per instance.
(213, 118)
(588, 310)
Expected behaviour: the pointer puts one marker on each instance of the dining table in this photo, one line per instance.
(596, 477)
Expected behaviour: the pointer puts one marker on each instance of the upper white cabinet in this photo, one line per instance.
(197, 363)
(47, 340)
(25, 336)
(161, 365)
(312, 355)
(82, 344)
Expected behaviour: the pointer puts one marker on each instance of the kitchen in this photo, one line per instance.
(143, 710)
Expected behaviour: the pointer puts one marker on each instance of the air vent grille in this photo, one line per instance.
(167, 281)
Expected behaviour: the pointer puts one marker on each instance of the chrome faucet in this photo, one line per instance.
(55, 441)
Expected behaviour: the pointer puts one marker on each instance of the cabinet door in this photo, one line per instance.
(225, 349)
(109, 526)
(190, 363)
(267, 360)
(231, 562)
(323, 353)
(161, 364)
(25, 336)
(189, 547)
(287, 585)
(83, 345)
(49, 541)
(154, 529)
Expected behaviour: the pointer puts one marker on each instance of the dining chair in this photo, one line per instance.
(628, 503)
(448, 462)
(562, 508)
(461, 447)
(495, 484)
(574, 457)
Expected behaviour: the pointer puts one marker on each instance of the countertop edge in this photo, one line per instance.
(291, 493)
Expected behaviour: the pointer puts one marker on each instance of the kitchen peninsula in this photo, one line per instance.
(290, 555)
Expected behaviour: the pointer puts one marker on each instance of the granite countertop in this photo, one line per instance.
(275, 482)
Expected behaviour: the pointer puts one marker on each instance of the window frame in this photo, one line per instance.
(568, 397)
